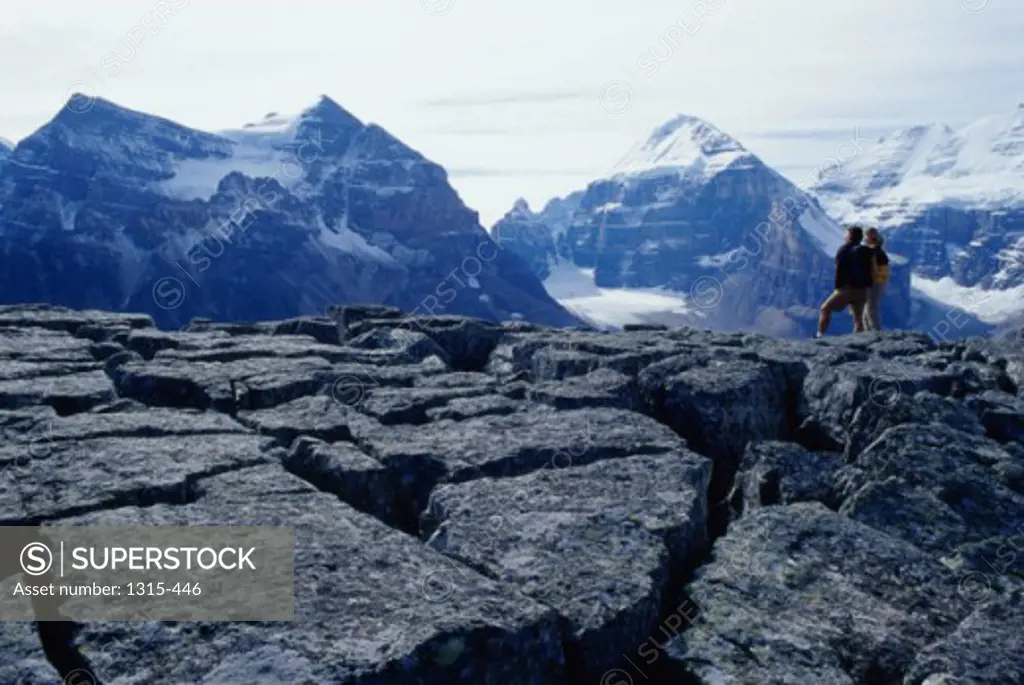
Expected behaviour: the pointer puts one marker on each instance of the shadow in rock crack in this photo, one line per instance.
(56, 637)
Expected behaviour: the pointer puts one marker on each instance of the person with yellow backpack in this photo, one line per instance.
(880, 271)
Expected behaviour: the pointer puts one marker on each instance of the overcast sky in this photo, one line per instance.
(529, 98)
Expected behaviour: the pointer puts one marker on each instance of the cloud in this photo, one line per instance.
(522, 98)
(841, 132)
(481, 172)
(542, 130)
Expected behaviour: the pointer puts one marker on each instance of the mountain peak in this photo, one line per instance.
(520, 212)
(113, 122)
(328, 111)
(79, 104)
(685, 141)
(694, 129)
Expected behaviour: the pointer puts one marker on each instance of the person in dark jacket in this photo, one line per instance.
(852, 282)
(873, 242)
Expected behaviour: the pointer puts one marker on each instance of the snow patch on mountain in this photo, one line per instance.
(344, 239)
(197, 179)
(258, 150)
(990, 306)
(573, 287)
(278, 147)
(977, 166)
(717, 261)
(685, 145)
(828, 234)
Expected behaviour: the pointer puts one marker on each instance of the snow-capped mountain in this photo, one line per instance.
(952, 201)
(690, 214)
(108, 208)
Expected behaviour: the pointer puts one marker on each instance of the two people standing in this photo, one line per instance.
(862, 274)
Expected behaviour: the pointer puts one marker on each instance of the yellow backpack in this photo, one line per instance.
(880, 267)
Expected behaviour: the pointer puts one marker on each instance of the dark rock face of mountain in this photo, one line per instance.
(692, 211)
(5, 153)
(540, 238)
(479, 502)
(987, 250)
(112, 209)
(531, 238)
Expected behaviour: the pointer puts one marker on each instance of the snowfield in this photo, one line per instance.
(574, 289)
(895, 179)
(990, 306)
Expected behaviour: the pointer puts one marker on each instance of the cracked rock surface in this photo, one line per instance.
(482, 503)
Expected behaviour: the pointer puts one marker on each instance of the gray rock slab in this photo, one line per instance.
(775, 472)
(600, 388)
(832, 394)
(911, 513)
(410, 405)
(799, 594)
(720, 406)
(1001, 414)
(460, 409)
(205, 385)
(68, 394)
(369, 607)
(65, 477)
(40, 345)
(602, 543)
(22, 660)
(510, 445)
(317, 416)
(62, 319)
(889, 409)
(356, 478)
(985, 649)
(970, 474)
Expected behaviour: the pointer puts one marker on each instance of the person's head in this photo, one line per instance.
(854, 234)
(873, 237)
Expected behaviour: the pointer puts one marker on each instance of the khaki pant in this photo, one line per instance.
(854, 298)
(873, 319)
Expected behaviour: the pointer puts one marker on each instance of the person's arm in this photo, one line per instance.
(883, 258)
(840, 268)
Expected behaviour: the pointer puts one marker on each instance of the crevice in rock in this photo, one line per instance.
(769, 488)
(57, 639)
(66, 406)
(575, 664)
(811, 436)
(285, 437)
(400, 516)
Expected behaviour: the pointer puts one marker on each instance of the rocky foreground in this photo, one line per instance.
(478, 503)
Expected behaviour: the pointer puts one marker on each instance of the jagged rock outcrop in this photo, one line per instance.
(485, 503)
